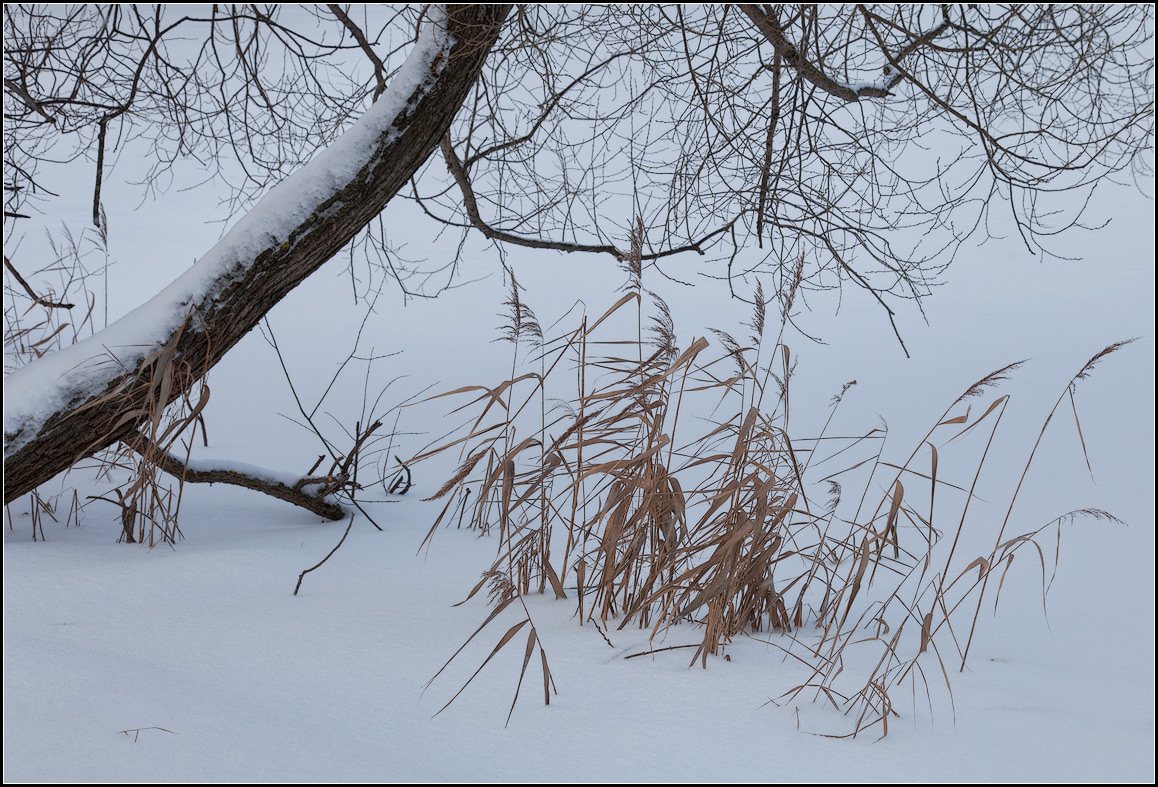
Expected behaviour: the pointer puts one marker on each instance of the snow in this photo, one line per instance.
(215, 671)
(36, 391)
(876, 84)
(207, 641)
(245, 468)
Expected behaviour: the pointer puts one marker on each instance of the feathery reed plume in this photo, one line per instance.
(735, 351)
(758, 313)
(991, 380)
(521, 322)
(662, 328)
(1090, 364)
(789, 289)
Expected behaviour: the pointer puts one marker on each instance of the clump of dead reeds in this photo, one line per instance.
(150, 500)
(41, 321)
(735, 527)
(57, 308)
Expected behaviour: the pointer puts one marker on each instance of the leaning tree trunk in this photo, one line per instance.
(99, 408)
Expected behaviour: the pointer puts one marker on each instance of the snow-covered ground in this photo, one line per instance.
(217, 672)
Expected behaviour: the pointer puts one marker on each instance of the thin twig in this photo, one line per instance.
(360, 37)
(661, 650)
(137, 731)
(470, 204)
(28, 288)
(327, 557)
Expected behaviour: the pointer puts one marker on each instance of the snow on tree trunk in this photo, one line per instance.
(70, 404)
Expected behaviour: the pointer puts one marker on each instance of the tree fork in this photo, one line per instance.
(89, 423)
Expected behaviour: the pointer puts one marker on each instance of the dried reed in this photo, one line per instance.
(654, 527)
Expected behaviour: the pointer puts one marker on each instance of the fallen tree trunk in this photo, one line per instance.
(69, 405)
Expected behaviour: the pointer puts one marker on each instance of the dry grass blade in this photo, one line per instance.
(1081, 437)
(532, 638)
(631, 296)
(511, 632)
(891, 525)
(1082, 374)
(494, 614)
(548, 679)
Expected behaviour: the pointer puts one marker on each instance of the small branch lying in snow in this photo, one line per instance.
(137, 732)
(659, 650)
(401, 484)
(178, 469)
(302, 575)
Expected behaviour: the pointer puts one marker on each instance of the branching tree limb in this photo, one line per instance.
(718, 125)
(360, 37)
(470, 205)
(240, 298)
(768, 21)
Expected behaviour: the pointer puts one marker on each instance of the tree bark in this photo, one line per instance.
(92, 422)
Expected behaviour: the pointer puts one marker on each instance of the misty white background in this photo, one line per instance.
(205, 639)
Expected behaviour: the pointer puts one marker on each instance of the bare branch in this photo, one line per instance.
(182, 472)
(470, 205)
(341, 541)
(360, 37)
(28, 100)
(769, 25)
(28, 288)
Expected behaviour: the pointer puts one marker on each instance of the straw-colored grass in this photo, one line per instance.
(641, 515)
